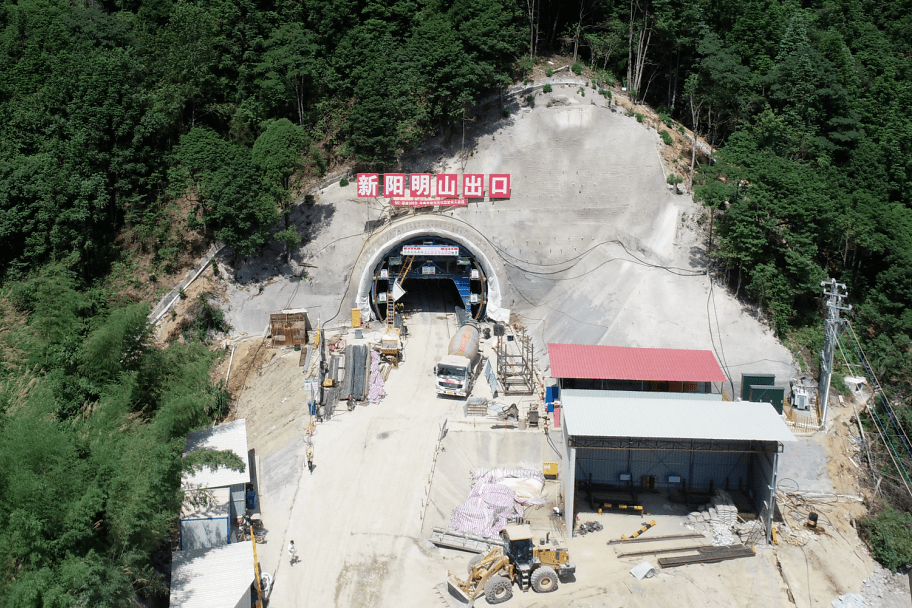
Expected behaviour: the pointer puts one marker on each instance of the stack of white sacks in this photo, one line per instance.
(717, 517)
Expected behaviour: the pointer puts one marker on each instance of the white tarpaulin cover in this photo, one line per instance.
(526, 488)
(643, 570)
(497, 497)
(376, 392)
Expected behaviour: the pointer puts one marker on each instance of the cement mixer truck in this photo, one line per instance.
(456, 372)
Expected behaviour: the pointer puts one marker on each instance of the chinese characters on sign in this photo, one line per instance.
(473, 185)
(421, 184)
(394, 184)
(367, 184)
(499, 185)
(430, 250)
(417, 190)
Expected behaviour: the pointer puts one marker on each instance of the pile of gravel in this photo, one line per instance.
(882, 589)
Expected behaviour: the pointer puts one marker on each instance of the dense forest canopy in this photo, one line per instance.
(117, 113)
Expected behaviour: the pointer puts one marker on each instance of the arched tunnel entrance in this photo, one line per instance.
(429, 273)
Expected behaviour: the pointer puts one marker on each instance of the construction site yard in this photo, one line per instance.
(381, 483)
(386, 474)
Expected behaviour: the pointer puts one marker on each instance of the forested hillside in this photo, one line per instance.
(127, 124)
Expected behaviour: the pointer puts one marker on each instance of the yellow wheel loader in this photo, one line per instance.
(520, 562)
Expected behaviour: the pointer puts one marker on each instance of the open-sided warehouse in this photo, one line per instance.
(693, 444)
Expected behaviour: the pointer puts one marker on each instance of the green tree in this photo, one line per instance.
(187, 52)
(603, 44)
(291, 64)
(278, 154)
(227, 187)
(722, 78)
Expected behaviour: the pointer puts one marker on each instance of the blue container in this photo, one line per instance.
(550, 406)
(552, 393)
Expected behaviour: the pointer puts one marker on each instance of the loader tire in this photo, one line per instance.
(474, 561)
(544, 579)
(498, 589)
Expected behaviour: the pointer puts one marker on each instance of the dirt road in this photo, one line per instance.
(357, 518)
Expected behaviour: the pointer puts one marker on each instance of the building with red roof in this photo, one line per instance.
(625, 368)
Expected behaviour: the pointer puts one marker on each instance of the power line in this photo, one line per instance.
(724, 362)
(881, 430)
(883, 397)
(888, 408)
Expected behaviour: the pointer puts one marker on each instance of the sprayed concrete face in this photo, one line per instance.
(398, 234)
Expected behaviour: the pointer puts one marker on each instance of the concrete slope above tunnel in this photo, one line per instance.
(499, 297)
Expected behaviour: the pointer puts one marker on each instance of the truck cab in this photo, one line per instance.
(453, 376)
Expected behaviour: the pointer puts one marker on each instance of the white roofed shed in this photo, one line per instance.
(615, 441)
(217, 576)
(221, 491)
(231, 436)
(601, 414)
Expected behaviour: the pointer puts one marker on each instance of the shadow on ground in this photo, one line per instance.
(270, 261)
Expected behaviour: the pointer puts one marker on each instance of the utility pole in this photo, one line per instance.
(835, 304)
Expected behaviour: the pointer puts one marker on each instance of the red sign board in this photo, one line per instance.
(473, 185)
(367, 184)
(421, 184)
(425, 189)
(447, 184)
(499, 185)
(394, 184)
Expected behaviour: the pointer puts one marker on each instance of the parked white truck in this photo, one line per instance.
(456, 372)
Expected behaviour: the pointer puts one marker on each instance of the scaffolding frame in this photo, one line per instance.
(514, 362)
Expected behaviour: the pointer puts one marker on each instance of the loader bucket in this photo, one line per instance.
(455, 587)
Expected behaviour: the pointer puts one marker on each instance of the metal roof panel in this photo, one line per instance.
(599, 416)
(231, 436)
(629, 363)
(216, 576)
(206, 503)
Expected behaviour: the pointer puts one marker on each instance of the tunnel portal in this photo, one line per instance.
(433, 260)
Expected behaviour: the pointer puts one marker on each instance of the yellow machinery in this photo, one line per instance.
(390, 345)
(490, 575)
(391, 341)
(390, 302)
(519, 561)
